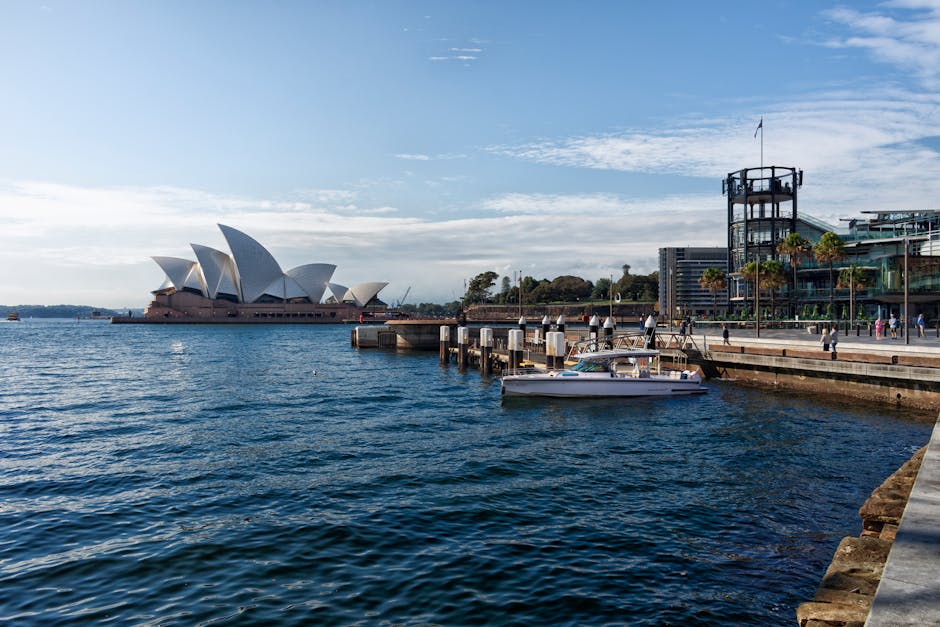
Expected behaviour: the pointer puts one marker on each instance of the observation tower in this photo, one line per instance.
(762, 211)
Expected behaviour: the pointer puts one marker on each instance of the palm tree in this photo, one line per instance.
(750, 273)
(713, 280)
(853, 277)
(797, 248)
(828, 249)
(772, 277)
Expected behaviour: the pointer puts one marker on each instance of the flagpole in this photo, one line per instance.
(760, 127)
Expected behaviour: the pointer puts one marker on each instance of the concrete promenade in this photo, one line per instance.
(909, 592)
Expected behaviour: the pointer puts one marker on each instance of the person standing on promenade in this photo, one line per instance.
(834, 338)
(920, 326)
(879, 328)
(893, 325)
(724, 334)
(824, 339)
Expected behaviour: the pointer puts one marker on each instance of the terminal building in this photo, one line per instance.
(250, 285)
(762, 210)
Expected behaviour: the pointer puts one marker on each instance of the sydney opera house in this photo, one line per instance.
(249, 285)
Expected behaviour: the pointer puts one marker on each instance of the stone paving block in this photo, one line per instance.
(829, 612)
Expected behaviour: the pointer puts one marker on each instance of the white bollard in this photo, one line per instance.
(463, 340)
(486, 349)
(445, 344)
(516, 342)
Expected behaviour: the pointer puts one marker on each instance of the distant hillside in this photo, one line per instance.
(59, 311)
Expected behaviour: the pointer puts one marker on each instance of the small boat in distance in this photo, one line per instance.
(607, 372)
(13, 316)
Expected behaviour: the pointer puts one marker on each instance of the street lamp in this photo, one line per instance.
(907, 318)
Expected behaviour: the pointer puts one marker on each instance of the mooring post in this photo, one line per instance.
(608, 333)
(445, 344)
(516, 342)
(550, 350)
(486, 350)
(463, 339)
(555, 350)
(522, 323)
(560, 327)
(593, 328)
(546, 327)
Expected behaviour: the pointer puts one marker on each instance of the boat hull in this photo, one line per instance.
(561, 386)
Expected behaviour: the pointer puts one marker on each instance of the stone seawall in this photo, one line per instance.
(845, 595)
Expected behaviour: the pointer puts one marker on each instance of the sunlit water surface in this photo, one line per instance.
(272, 474)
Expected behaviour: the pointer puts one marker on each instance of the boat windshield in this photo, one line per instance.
(590, 366)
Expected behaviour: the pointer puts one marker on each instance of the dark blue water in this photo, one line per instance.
(273, 474)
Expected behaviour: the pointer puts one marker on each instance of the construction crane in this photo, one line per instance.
(402, 299)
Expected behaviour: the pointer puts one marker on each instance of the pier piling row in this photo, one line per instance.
(893, 373)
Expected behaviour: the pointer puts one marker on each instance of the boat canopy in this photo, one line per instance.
(623, 353)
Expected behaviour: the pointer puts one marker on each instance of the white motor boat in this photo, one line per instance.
(611, 372)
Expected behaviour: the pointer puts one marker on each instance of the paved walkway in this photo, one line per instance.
(909, 592)
(928, 344)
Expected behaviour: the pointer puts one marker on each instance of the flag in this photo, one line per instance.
(760, 125)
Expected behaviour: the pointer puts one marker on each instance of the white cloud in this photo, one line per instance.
(913, 44)
(412, 157)
(855, 148)
(80, 242)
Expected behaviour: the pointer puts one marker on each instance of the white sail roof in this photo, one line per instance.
(364, 292)
(313, 278)
(251, 272)
(182, 273)
(256, 267)
(218, 270)
(338, 291)
(285, 288)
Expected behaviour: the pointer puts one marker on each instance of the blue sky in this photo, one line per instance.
(422, 143)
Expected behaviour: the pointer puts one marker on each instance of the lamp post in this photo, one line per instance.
(757, 293)
(907, 329)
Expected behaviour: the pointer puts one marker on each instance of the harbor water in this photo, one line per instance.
(272, 474)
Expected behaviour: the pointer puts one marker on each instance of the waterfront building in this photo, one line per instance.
(680, 269)
(762, 211)
(249, 283)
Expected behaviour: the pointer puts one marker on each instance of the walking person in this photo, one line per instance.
(893, 326)
(824, 339)
(834, 338)
(921, 332)
(879, 328)
(724, 334)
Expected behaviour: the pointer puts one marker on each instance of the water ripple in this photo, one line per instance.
(192, 475)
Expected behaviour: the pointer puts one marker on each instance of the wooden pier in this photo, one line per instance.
(861, 368)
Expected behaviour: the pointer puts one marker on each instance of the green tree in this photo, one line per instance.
(772, 277)
(478, 291)
(829, 249)
(713, 280)
(854, 278)
(601, 289)
(797, 249)
(750, 273)
(505, 290)
(570, 288)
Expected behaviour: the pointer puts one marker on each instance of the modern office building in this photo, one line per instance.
(680, 269)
